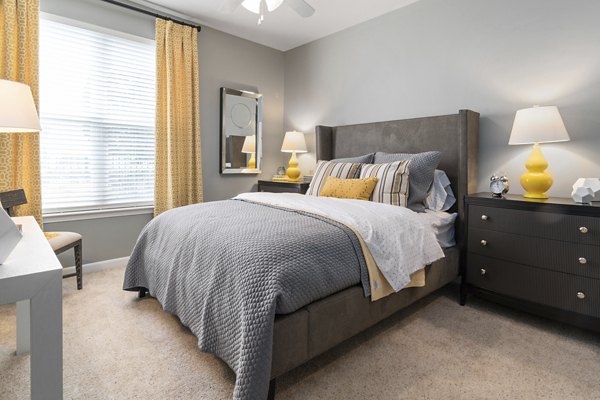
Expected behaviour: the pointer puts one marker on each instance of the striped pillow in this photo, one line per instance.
(422, 167)
(392, 185)
(325, 169)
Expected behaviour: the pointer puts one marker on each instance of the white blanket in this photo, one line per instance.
(397, 238)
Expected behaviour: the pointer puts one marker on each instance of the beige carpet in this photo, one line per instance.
(118, 347)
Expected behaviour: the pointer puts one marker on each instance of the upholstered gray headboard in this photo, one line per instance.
(456, 136)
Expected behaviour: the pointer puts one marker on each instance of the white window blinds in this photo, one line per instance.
(97, 97)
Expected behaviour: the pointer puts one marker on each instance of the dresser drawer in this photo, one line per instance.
(572, 258)
(571, 228)
(540, 286)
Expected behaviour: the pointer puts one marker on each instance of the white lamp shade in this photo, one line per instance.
(294, 141)
(249, 144)
(538, 125)
(17, 109)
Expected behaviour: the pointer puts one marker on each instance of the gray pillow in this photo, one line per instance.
(421, 168)
(366, 159)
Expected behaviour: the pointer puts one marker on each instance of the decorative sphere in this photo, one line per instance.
(591, 183)
(582, 194)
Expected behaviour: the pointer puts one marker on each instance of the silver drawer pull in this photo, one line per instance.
(484, 217)
(583, 229)
(484, 242)
(483, 271)
(580, 295)
(582, 260)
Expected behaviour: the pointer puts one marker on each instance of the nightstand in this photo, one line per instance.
(541, 256)
(283, 187)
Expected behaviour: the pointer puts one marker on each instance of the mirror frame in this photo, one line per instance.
(259, 114)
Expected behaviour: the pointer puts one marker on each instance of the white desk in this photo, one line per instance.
(32, 278)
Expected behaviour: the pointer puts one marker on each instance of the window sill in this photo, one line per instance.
(96, 214)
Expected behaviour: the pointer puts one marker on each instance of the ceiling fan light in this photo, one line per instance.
(254, 5)
(273, 5)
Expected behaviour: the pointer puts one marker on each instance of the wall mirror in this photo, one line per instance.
(241, 132)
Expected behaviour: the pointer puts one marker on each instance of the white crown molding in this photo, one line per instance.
(164, 10)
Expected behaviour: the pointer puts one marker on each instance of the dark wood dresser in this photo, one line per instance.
(283, 187)
(541, 256)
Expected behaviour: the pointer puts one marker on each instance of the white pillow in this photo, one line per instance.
(440, 196)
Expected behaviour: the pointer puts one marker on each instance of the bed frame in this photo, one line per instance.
(323, 324)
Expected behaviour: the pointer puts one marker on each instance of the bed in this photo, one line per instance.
(310, 323)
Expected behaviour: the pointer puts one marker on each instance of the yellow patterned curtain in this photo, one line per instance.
(178, 177)
(20, 152)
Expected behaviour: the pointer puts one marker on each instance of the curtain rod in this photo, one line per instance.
(153, 14)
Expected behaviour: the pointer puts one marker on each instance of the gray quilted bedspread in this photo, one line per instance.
(226, 268)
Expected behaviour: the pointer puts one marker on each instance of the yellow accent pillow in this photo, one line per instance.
(358, 189)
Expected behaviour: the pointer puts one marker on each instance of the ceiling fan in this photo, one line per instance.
(260, 6)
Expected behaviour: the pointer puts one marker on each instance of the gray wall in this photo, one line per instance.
(438, 56)
(432, 57)
(103, 238)
(227, 61)
(224, 60)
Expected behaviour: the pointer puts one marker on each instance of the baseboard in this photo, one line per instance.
(98, 266)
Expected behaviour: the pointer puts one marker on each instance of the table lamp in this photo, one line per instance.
(17, 109)
(293, 142)
(249, 147)
(17, 114)
(537, 125)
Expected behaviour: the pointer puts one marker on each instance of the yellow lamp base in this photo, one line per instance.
(536, 181)
(252, 161)
(543, 196)
(292, 179)
(293, 173)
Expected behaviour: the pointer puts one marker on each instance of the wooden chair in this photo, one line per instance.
(59, 241)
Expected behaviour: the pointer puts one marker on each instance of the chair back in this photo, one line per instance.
(11, 199)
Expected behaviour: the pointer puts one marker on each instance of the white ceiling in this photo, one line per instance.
(283, 29)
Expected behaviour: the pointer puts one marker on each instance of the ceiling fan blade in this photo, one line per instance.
(301, 7)
(229, 6)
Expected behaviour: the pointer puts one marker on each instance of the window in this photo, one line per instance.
(97, 97)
